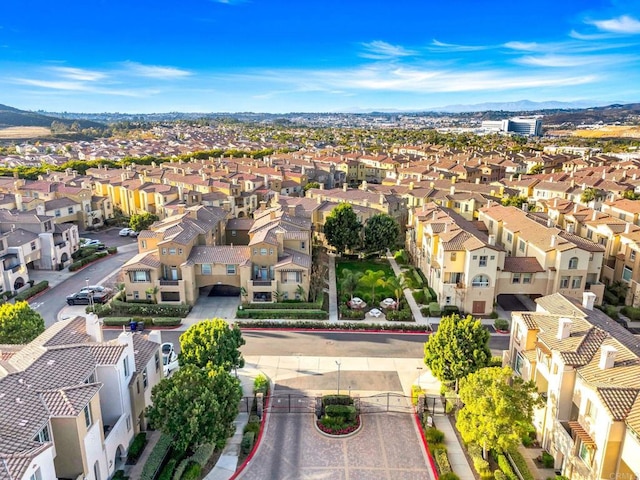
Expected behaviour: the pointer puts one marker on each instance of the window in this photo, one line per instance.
(509, 237)
(263, 251)
(492, 257)
(627, 273)
(573, 263)
(87, 416)
(519, 362)
(179, 251)
(302, 245)
(144, 243)
(483, 261)
(453, 256)
(164, 251)
(576, 282)
(140, 276)
(206, 269)
(589, 234)
(480, 281)
(526, 278)
(231, 269)
(521, 245)
(125, 364)
(447, 300)
(585, 453)
(233, 233)
(37, 475)
(57, 213)
(475, 257)
(515, 278)
(43, 435)
(564, 281)
(590, 410)
(632, 255)
(172, 251)
(157, 359)
(128, 423)
(33, 246)
(145, 379)
(70, 210)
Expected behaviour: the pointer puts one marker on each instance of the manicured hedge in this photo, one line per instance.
(282, 306)
(136, 448)
(521, 463)
(311, 325)
(121, 309)
(632, 312)
(403, 315)
(86, 260)
(346, 412)
(156, 457)
(505, 467)
(328, 400)
(434, 309)
(419, 297)
(442, 461)
(166, 321)
(247, 442)
(116, 321)
(269, 314)
(501, 324)
(202, 454)
(159, 322)
(348, 313)
(30, 292)
(192, 472)
(167, 471)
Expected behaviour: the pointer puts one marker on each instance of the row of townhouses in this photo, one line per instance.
(71, 403)
(586, 367)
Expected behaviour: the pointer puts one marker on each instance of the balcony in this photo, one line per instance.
(12, 268)
(261, 284)
(169, 283)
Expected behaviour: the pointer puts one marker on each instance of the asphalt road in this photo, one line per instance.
(51, 302)
(329, 344)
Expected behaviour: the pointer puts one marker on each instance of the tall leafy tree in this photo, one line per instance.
(196, 406)
(212, 343)
(514, 201)
(19, 323)
(349, 281)
(380, 233)
(459, 347)
(498, 408)
(372, 279)
(342, 228)
(142, 221)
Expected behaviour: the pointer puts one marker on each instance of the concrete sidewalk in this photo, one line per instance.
(408, 294)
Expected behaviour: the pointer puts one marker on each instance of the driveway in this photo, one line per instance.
(387, 447)
(214, 307)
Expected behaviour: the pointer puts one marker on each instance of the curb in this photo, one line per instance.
(256, 445)
(329, 330)
(432, 465)
(33, 297)
(346, 435)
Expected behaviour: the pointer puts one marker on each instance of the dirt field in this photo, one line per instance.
(610, 131)
(23, 132)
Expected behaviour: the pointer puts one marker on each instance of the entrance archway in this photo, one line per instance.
(19, 283)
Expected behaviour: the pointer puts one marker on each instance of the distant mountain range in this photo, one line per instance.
(519, 106)
(13, 117)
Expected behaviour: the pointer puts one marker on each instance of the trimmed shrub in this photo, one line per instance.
(247, 442)
(449, 476)
(289, 305)
(102, 310)
(434, 309)
(336, 400)
(493, 314)
(432, 294)
(403, 315)
(182, 466)
(521, 463)
(450, 310)
(442, 461)
(122, 309)
(112, 250)
(433, 436)
(611, 311)
(496, 361)
(632, 312)
(498, 475)
(251, 427)
(311, 325)
(78, 264)
(501, 324)
(418, 279)
(166, 321)
(346, 312)
(30, 292)
(261, 384)
(202, 454)
(272, 314)
(419, 297)
(167, 471)
(192, 472)
(117, 321)
(136, 448)
(505, 467)
(347, 412)
(416, 391)
(159, 452)
(547, 460)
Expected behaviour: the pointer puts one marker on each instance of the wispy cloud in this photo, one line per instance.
(155, 71)
(231, 2)
(452, 47)
(565, 61)
(78, 74)
(624, 24)
(71, 86)
(380, 50)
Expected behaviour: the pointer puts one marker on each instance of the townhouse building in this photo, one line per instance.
(184, 256)
(586, 368)
(67, 411)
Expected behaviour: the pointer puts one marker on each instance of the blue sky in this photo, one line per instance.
(314, 56)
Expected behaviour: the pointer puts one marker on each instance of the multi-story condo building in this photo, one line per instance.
(183, 254)
(586, 367)
(67, 405)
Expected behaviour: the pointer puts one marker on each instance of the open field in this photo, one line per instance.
(11, 133)
(610, 131)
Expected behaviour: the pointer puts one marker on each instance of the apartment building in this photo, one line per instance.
(66, 403)
(586, 367)
(184, 255)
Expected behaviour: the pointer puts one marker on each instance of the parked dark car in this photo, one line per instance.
(83, 298)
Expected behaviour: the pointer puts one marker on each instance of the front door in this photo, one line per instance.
(478, 307)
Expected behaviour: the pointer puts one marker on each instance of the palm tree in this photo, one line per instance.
(397, 286)
(300, 292)
(244, 293)
(153, 291)
(349, 281)
(373, 279)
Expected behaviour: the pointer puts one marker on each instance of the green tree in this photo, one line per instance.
(498, 408)
(19, 323)
(342, 228)
(153, 291)
(195, 406)
(459, 347)
(380, 233)
(536, 169)
(630, 195)
(514, 201)
(349, 281)
(311, 185)
(590, 194)
(372, 279)
(397, 286)
(142, 221)
(212, 343)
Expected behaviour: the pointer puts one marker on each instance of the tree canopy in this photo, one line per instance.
(212, 343)
(19, 323)
(459, 347)
(498, 408)
(342, 228)
(196, 406)
(516, 201)
(142, 221)
(380, 233)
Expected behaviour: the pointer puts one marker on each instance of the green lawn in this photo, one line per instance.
(362, 266)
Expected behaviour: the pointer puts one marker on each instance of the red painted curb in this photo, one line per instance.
(257, 442)
(326, 330)
(37, 294)
(432, 464)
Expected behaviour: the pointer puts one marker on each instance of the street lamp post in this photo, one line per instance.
(90, 294)
(338, 364)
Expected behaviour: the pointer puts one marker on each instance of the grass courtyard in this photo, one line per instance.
(364, 290)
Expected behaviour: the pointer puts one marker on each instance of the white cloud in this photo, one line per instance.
(155, 71)
(566, 61)
(81, 87)
(379, 50)
(526, 46)
(457, 48)
(78, 74)
(623, 24)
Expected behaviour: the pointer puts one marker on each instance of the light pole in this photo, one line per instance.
(90, 294)
(338, 364)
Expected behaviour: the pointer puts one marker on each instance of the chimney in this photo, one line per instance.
(588, 300)
(272, 215)
(452, 190)
(491, 240)
(627, 227)
(607, 357)
(564, 329)
(525, 206)
(155, 336)
(550, 222)
(126, 338)
(410, 185)
(344, 187)
(555, 202)
(93, 327)
(594, 215)
(181, 208)
(553, 241)
(292, 210)
(575, 208)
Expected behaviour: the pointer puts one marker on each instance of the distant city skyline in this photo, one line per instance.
(314, 56)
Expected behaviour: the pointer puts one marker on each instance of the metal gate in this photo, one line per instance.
(292, 403)
(384, 402)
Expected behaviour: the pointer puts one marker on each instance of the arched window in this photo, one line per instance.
(480, 281)
(573, 263)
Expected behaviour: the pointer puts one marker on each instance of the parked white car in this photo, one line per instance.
(128, 232)
(169, 358)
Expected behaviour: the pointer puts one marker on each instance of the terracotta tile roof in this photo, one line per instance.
(74, 332)
(522, 265)
(15, 465)
(633, 418)
(618, 400)
(224, 255)
(69, 401)
(144, 259)
(144, 350)
(106, 354)
(291, 257)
